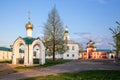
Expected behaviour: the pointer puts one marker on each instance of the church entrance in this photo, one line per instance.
(36, 54)
(28, 53)
(18, 51)
(20, 59)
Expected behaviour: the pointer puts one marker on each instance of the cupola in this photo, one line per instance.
(29, 27)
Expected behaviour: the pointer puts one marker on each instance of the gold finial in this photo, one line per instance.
(28, 15)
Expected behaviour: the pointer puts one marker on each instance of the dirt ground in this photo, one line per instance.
(69, 67)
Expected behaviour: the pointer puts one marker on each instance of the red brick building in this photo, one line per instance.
(91, 52)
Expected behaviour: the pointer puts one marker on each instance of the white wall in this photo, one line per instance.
(73, 54)
(70, 53)
(5, 55)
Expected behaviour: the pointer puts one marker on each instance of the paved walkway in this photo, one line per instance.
(74, 66)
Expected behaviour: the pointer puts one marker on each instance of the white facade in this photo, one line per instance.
(72, 47)
(5, 55)
(57, 56)
(72, 51)
(8, 55)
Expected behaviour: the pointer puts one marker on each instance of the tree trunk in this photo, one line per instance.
(53, 50)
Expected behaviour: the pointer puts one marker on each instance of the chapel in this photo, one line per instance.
(28, 43)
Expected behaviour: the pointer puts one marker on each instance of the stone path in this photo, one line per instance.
(74, 66)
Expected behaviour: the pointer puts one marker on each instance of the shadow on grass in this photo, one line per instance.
(48, 62)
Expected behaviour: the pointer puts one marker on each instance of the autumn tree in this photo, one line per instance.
(53, 34)
(116, 37)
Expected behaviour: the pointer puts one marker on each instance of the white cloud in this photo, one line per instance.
(101, 41)
(84, 35)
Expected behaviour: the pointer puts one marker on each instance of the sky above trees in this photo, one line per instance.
(86, 19)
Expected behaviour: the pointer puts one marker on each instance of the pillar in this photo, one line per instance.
(26, 55)
(30, 55)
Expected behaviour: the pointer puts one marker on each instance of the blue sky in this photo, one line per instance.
(86, 19)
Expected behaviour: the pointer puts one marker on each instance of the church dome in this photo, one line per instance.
(29, 25)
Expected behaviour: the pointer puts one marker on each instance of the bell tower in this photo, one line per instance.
(29, 27)
(66, 34)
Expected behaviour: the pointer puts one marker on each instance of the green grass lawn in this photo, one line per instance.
(48, 62)
(83, 75)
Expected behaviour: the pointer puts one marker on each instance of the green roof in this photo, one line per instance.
(28, 40)
(9, 49)
(66, 32)
(5, 49)
(101, 50)
(104, 50)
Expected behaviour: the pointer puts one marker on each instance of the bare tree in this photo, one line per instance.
(116, 36)
(53, 34)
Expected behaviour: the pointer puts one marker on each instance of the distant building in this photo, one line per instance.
(93, 53)
(5, 54)
(73, 48)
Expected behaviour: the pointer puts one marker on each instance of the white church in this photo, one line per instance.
(23, 49)
(72, 48)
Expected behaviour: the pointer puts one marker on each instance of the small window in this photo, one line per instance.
(67, 47)
(73, 47)
(73, 55)
(67, 55)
